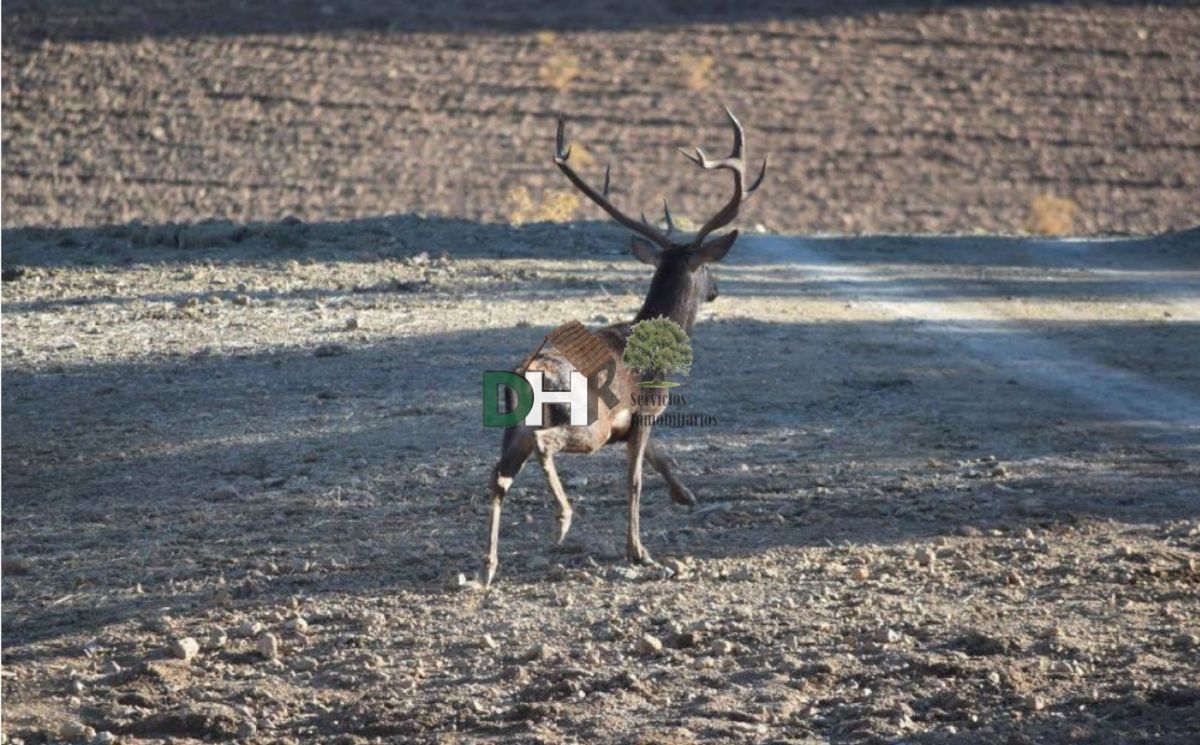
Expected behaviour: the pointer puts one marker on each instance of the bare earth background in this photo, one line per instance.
(878, 116)
(953, 489)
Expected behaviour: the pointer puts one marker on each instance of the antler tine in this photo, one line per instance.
(562, 153)
(736, 163)
(666, 214)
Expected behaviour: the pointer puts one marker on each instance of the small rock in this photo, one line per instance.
(969, 531)
(242, 300)
(217, 638)
(185, 648)
(111, 667)
(246, 730)
(1062, 667)
(650, 645)
(104, 737)
(722, 647)
(352, 323)
(1036, 703)
(250, 628)
(462, 583)
(268, 646)
(1187, 641)
(226, 492)
(304, 664)
(888, 636)
(297, 625)
(1014, 579)
(537, 652)
(488, 642)
(860, 573)
(926, 557)
(677, 568)
(77, 731)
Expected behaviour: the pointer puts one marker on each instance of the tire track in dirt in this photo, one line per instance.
(1155, 409)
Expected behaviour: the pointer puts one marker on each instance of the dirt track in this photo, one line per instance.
(877, 118)
(953, 497)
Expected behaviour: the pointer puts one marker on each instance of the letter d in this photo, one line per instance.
(492, 381)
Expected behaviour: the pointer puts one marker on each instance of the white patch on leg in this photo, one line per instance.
(504, 482)
(621, 420)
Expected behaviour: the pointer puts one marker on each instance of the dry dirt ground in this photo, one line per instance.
(952, 493)
(879, 116)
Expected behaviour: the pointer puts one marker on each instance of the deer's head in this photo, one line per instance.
(682, 279)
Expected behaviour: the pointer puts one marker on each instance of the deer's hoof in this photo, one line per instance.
(683, 496)
(564, 527)
(489, 571)
(638, 555)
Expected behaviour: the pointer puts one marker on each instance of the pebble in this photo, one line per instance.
(1187, 641)
(268, 646)
(537, 652)
(242, 300)
(185, 648)
(104, 737)
(111, 668)
(926, 557)
(1014, 579)
(77, 731)
(722, 647)
(860, 573)
(352, 323)
(298, 625)
(678, 569)
(576, 482)
(488, 642)
(888, 636)
(650, 645)
(250, 628)
(217, 638)
(305, 664)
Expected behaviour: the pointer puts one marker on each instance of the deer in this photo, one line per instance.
(680, 283)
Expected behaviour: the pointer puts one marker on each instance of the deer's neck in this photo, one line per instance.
(671, 297)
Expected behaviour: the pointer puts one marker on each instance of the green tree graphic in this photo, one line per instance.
(658, 347)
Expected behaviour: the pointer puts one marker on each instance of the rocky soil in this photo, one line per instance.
(244, 480)
(878, 116)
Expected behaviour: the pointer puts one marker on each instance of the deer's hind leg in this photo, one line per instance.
(547, 442)
(517, 445)
(663, 463)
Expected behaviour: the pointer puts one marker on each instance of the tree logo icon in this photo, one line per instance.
(658, 347)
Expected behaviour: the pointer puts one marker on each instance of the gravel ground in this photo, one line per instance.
(878, 116)
(950, 492)
(952, 498)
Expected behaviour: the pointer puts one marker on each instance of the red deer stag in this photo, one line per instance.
(680, 283)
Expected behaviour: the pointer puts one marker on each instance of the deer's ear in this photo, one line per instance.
(645, 253)
(713, 250)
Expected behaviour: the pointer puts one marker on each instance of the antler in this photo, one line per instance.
(736, 163)
(643, 228)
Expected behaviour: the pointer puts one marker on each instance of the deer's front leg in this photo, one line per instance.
(636, 447)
